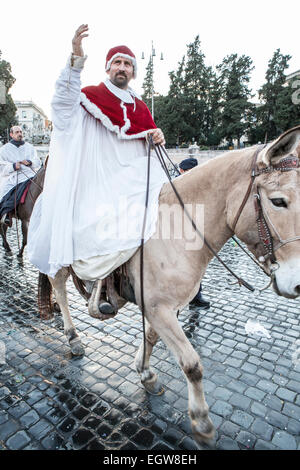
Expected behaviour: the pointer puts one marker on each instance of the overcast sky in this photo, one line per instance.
(35, 37)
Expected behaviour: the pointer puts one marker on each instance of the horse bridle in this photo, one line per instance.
(263, 219)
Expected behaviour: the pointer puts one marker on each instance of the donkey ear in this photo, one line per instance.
(286, 144)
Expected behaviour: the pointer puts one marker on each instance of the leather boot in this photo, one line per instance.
(199, 301)
(98, 307)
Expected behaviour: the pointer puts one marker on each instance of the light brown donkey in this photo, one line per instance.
(174, 267)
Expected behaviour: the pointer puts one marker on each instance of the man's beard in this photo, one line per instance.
(17, 142)
(120, 80)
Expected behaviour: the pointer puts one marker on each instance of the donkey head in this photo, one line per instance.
(271, 223)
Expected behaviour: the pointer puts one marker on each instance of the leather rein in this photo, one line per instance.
(159, 150)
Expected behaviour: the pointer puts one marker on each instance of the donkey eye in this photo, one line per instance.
(279, 202)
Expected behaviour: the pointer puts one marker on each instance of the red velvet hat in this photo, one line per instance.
(121, 51)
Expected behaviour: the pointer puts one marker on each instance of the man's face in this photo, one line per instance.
(120, 72)
(16, 133)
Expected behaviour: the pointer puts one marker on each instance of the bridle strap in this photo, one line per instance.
(263, 228)
(285, 242)
(246, 197)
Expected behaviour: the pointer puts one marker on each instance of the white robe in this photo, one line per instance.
(94, 193)
(10, 154)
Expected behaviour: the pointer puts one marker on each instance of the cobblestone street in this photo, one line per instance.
(50, 400)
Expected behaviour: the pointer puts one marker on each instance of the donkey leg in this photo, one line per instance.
(174, 338)
(59, 286)
(148, 377)
(3, 230)
(25, 224)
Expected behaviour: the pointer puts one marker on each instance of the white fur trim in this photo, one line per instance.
(97, 113)
(126, 56)
(127, 121)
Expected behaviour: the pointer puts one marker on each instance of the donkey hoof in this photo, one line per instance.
(76, 347)
(154, 388)
(77, 350)
(151, 384)
(203, 430)
(9, 253)
(46, 314)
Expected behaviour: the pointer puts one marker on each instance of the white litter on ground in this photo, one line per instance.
(254, 327)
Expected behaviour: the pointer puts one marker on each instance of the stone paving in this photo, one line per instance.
(49, 400)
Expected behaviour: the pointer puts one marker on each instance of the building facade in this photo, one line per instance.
(293, 76)
(34, 122)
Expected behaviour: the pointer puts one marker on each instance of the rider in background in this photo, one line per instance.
(17, 160)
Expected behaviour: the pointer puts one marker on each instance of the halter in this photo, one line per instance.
(263, 219)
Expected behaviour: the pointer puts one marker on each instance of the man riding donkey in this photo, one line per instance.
(18, 165)
(90, 214)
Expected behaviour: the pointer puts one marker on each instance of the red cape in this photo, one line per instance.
(125, 119)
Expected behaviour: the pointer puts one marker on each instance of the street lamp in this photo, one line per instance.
(153, 54)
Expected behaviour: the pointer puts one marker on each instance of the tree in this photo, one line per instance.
(271, 95)
(234, 75)
(162, 118)
(287, 111)
(8, 108)
(212, 120)
(196, 87)
(169, 114)
(148, 84)
(190, 110)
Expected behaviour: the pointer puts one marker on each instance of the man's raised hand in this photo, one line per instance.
(77, 39)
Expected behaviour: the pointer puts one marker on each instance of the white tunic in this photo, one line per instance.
(10, 154)
(95, 188)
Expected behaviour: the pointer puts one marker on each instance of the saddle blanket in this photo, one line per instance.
(15, 196)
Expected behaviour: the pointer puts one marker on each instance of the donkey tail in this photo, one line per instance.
(45, 304)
